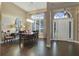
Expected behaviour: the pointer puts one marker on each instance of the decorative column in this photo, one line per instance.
(48, 27)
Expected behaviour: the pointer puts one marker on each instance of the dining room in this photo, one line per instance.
(43, 29)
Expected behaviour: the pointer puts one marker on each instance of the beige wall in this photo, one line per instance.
(11, 9)
(78, 23)
(28, 24)
(11, 12)
(0, 21)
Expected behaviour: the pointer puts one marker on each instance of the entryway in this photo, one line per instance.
(63, 26)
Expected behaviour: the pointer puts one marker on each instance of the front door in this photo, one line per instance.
(62, 29)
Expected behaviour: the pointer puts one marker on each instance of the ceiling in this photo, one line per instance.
(61, 4)
(31, 6)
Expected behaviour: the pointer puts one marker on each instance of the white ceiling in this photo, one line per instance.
(30, 6)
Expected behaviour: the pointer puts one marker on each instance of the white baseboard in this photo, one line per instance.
(67, 40)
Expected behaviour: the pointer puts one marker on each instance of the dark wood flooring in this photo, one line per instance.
(58, 48)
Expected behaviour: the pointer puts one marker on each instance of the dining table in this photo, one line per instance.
(27, 37)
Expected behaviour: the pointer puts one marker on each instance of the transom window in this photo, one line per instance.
(38, 16)
(62, 14)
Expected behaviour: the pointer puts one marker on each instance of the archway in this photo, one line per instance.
(63, 26)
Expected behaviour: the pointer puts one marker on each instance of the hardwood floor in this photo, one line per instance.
(58, 48)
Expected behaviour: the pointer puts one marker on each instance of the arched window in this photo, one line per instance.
(62, 14)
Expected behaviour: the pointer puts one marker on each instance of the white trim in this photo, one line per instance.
(59, 10)
(67, 40)
(50, 24)
(62, 18)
